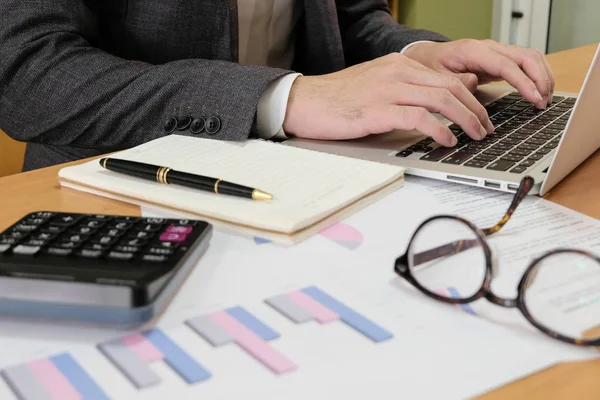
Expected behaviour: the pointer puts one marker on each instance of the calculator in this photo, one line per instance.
(101, 268)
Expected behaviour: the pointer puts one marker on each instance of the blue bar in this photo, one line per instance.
(453, 292)
(190, 370)
(252, 323)
(81, 381)
(349, 316)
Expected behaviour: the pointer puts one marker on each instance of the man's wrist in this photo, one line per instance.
(272, 107)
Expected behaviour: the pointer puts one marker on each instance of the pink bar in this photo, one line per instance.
(186, 230)
(172, 237)
(142, 347)
(253, 344)
(319, 311)
(55, 383)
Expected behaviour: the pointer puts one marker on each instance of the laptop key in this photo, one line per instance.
(512, 157)
(476, 164)
(536, 157)
(404, 153)
(521, 152)
(544, 150)
(536, 142)
(457, 158)
(501, 165)
(485, 157)
(518, 169)
(438, 154)
(527, 163)
(493, 152)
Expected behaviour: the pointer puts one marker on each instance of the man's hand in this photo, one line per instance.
(479, 62)
(392, 92)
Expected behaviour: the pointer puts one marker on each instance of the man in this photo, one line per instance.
(79, 78)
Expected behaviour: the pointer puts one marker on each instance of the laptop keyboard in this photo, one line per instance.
(523, 136)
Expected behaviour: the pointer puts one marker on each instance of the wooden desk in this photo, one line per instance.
(39, 190)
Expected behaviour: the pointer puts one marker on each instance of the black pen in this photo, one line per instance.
(168, 176)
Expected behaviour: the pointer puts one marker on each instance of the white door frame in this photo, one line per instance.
(529, 31)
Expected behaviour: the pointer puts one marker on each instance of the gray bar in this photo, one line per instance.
(210, 331)
(25, 384)
(287, 307)
(129, 364)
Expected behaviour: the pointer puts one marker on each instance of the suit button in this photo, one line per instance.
(184, 123)
(197, 125)
(170, 125)
(213, 124)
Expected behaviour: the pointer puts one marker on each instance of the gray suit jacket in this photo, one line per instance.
(79, 78)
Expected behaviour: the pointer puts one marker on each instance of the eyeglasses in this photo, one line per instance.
(449, 259)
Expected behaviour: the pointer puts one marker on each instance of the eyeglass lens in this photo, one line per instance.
(446, 257)
(562, 293)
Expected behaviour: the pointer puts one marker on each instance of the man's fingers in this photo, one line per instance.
(533, 63)
(443, 101)
(417, 118)
(471, 81)
(486, 60)
(452, 84)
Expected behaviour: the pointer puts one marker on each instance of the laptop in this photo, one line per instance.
(544, 144)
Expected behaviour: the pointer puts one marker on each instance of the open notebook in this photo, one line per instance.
(310, 189)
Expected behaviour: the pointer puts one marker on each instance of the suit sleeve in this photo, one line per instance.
(369, 31)
(57, 87)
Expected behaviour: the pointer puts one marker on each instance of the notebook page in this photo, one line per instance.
(307, 185)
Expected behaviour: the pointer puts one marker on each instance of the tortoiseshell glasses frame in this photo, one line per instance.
(403, 268)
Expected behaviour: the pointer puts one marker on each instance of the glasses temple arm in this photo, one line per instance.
(462, 245)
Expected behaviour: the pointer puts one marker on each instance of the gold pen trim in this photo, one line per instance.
(157, 175)
(258, 194)
(165, 176)
(104, 163)
(217, 186)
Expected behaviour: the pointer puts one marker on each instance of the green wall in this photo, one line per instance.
(456, 19)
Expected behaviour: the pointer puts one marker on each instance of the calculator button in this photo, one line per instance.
(65, 219)
(173, 237)
(35, 242)
(34, 221)
(127, 219)
(100, 217)
(133, 242)
(44, 236)
(189, 222)
(154, 258)
(78, 238)
(168, 245)
(92, 223)
(114, 232)
(43, 214)
(96, 246)
(161, 251)
(149, 227)
(4, 247)
(127, 249)
(183, 229)
(116, 255)
(105, 240)
(154, 221)
(57, 251)
(120, 225)
(66, 245)
(52, 229)
(8, 240)
(87, 253)
(139, 235)
(25, 228)
(26, 250)
(16, 234)
(83, 230)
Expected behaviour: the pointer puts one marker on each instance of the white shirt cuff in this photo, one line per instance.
(272, 107)
(408, 46)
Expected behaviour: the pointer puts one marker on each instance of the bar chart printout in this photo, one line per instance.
(133, 354)
(312, 303)
(237, 325)
(56, 378)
